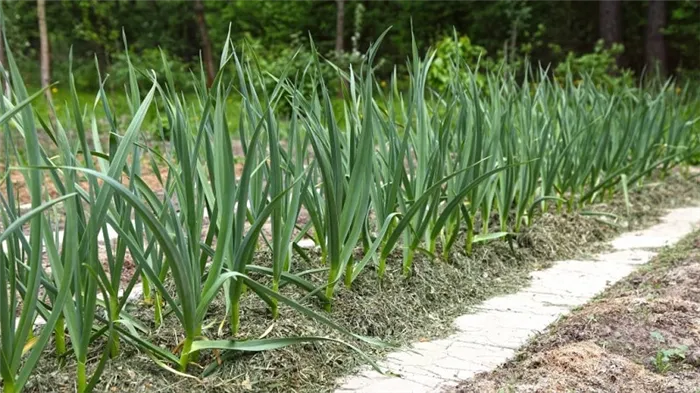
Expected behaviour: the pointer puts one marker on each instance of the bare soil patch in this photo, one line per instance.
(641, 335)
(148, 175)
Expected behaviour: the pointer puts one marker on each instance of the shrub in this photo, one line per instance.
(449, 50)
(600, 66)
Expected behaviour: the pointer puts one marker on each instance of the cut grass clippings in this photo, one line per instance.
(640, 335)
(396, 309)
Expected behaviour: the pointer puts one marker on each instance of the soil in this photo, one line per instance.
(641, 335)
(128, 267)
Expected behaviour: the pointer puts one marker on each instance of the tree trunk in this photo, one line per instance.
(610, 14)
(656, 47)
(339, 25)
(45, 55)
(206, 44)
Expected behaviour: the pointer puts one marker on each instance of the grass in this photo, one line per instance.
(119, 104)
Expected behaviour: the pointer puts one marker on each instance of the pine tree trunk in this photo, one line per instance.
(339, 32)
(656, 46)
(206, 44)
(339, 26)
(44, 52)
(610, 17)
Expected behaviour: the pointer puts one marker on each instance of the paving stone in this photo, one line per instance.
(521, 302)
(432, 380)
(393, 385)
(357, 382)
(432, 346)
(370, 373)
(498, 336)
(644, 240)
(627, 257)
(478, 357)
(565, 301)
(136, 292)
(39, 321)
(596, 270)
(430, 375)
(445, 386)
(690, 215)
(584, 281)
(417, 359)
(507, 320)
(672, 228)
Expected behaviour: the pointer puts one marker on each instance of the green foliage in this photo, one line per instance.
(664, 358)
(150, 59)
(450, 51)
(274, 62)
(512, 32)
(96, 23)
(663, 361)
(297, 53)
(599, 66)
(683, 33)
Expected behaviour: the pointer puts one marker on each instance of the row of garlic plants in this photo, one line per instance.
(412, 170)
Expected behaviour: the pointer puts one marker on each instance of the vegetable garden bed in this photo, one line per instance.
(396, 310)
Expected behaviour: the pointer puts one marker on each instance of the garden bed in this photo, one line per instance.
(395, 309)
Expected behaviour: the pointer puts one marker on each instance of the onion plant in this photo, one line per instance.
(346, 173)
(21, 258)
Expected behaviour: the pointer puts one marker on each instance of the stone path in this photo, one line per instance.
(501, 325)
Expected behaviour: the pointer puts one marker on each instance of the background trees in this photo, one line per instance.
(666, 33)
(611, 22)
(656, 46)
(207, 57)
